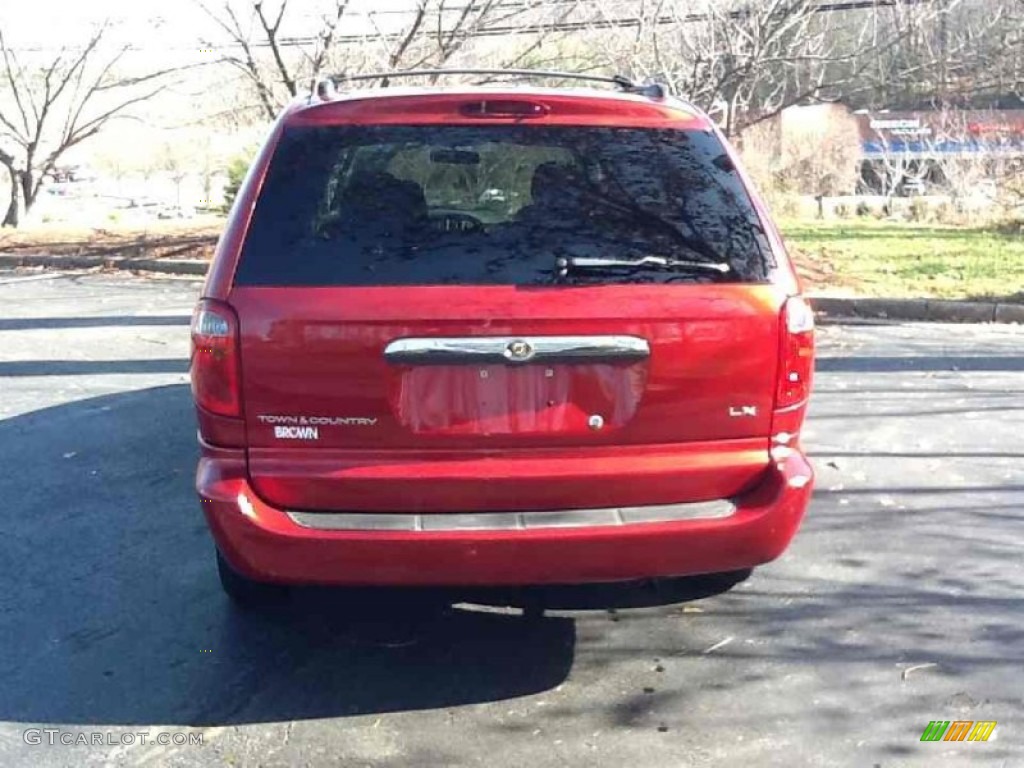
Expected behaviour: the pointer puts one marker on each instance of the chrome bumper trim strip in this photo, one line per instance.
(513, 521)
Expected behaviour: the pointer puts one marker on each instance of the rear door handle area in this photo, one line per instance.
(515, 350)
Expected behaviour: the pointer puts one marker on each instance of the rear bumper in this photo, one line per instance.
(268, 544)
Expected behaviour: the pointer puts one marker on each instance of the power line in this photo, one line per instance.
(532, 28)
(626, 22)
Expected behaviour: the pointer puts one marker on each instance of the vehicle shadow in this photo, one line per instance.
(113, 615)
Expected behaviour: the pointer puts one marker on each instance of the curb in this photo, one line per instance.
(164, 266)
(826, 307)
(934, 310)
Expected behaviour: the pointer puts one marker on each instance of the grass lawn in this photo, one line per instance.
(881, 258)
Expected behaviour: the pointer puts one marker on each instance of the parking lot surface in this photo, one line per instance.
(900, 602)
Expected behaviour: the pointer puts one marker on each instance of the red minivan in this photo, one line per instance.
(498, 336)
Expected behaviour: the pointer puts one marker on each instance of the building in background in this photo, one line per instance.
(947, 150)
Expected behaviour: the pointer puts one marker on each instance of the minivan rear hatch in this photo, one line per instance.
(502, 315)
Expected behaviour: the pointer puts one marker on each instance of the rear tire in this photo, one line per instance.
(245, 592)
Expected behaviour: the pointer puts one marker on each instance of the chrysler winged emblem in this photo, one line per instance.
(519, 351)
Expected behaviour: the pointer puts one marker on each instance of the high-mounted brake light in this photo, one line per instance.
(215, 368)
(796, 361)
(504, 108)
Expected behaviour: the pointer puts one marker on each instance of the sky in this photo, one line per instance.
(173, 26)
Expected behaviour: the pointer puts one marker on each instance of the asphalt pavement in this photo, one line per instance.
(900, 602)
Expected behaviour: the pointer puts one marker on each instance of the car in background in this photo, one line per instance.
(603, 381)
(175, 211)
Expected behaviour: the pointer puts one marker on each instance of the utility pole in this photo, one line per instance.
(943, 53)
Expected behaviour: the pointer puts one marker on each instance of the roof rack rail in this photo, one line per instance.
(326, 87)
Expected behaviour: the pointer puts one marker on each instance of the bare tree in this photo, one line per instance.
(746, 61)
(48, 107)
(456, 27)
(940, 53)
(176, 161)
(263, 54)
(741, 61)
(431, 34)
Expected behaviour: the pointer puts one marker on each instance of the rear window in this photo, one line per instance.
(500, 204)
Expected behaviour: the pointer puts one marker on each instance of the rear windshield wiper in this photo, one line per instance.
(565, 265)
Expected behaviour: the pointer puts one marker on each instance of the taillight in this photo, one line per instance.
(215, 369)
(796, 361)
(504, 108)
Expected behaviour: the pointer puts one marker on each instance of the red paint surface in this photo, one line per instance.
(267, 545)
(447, 438)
